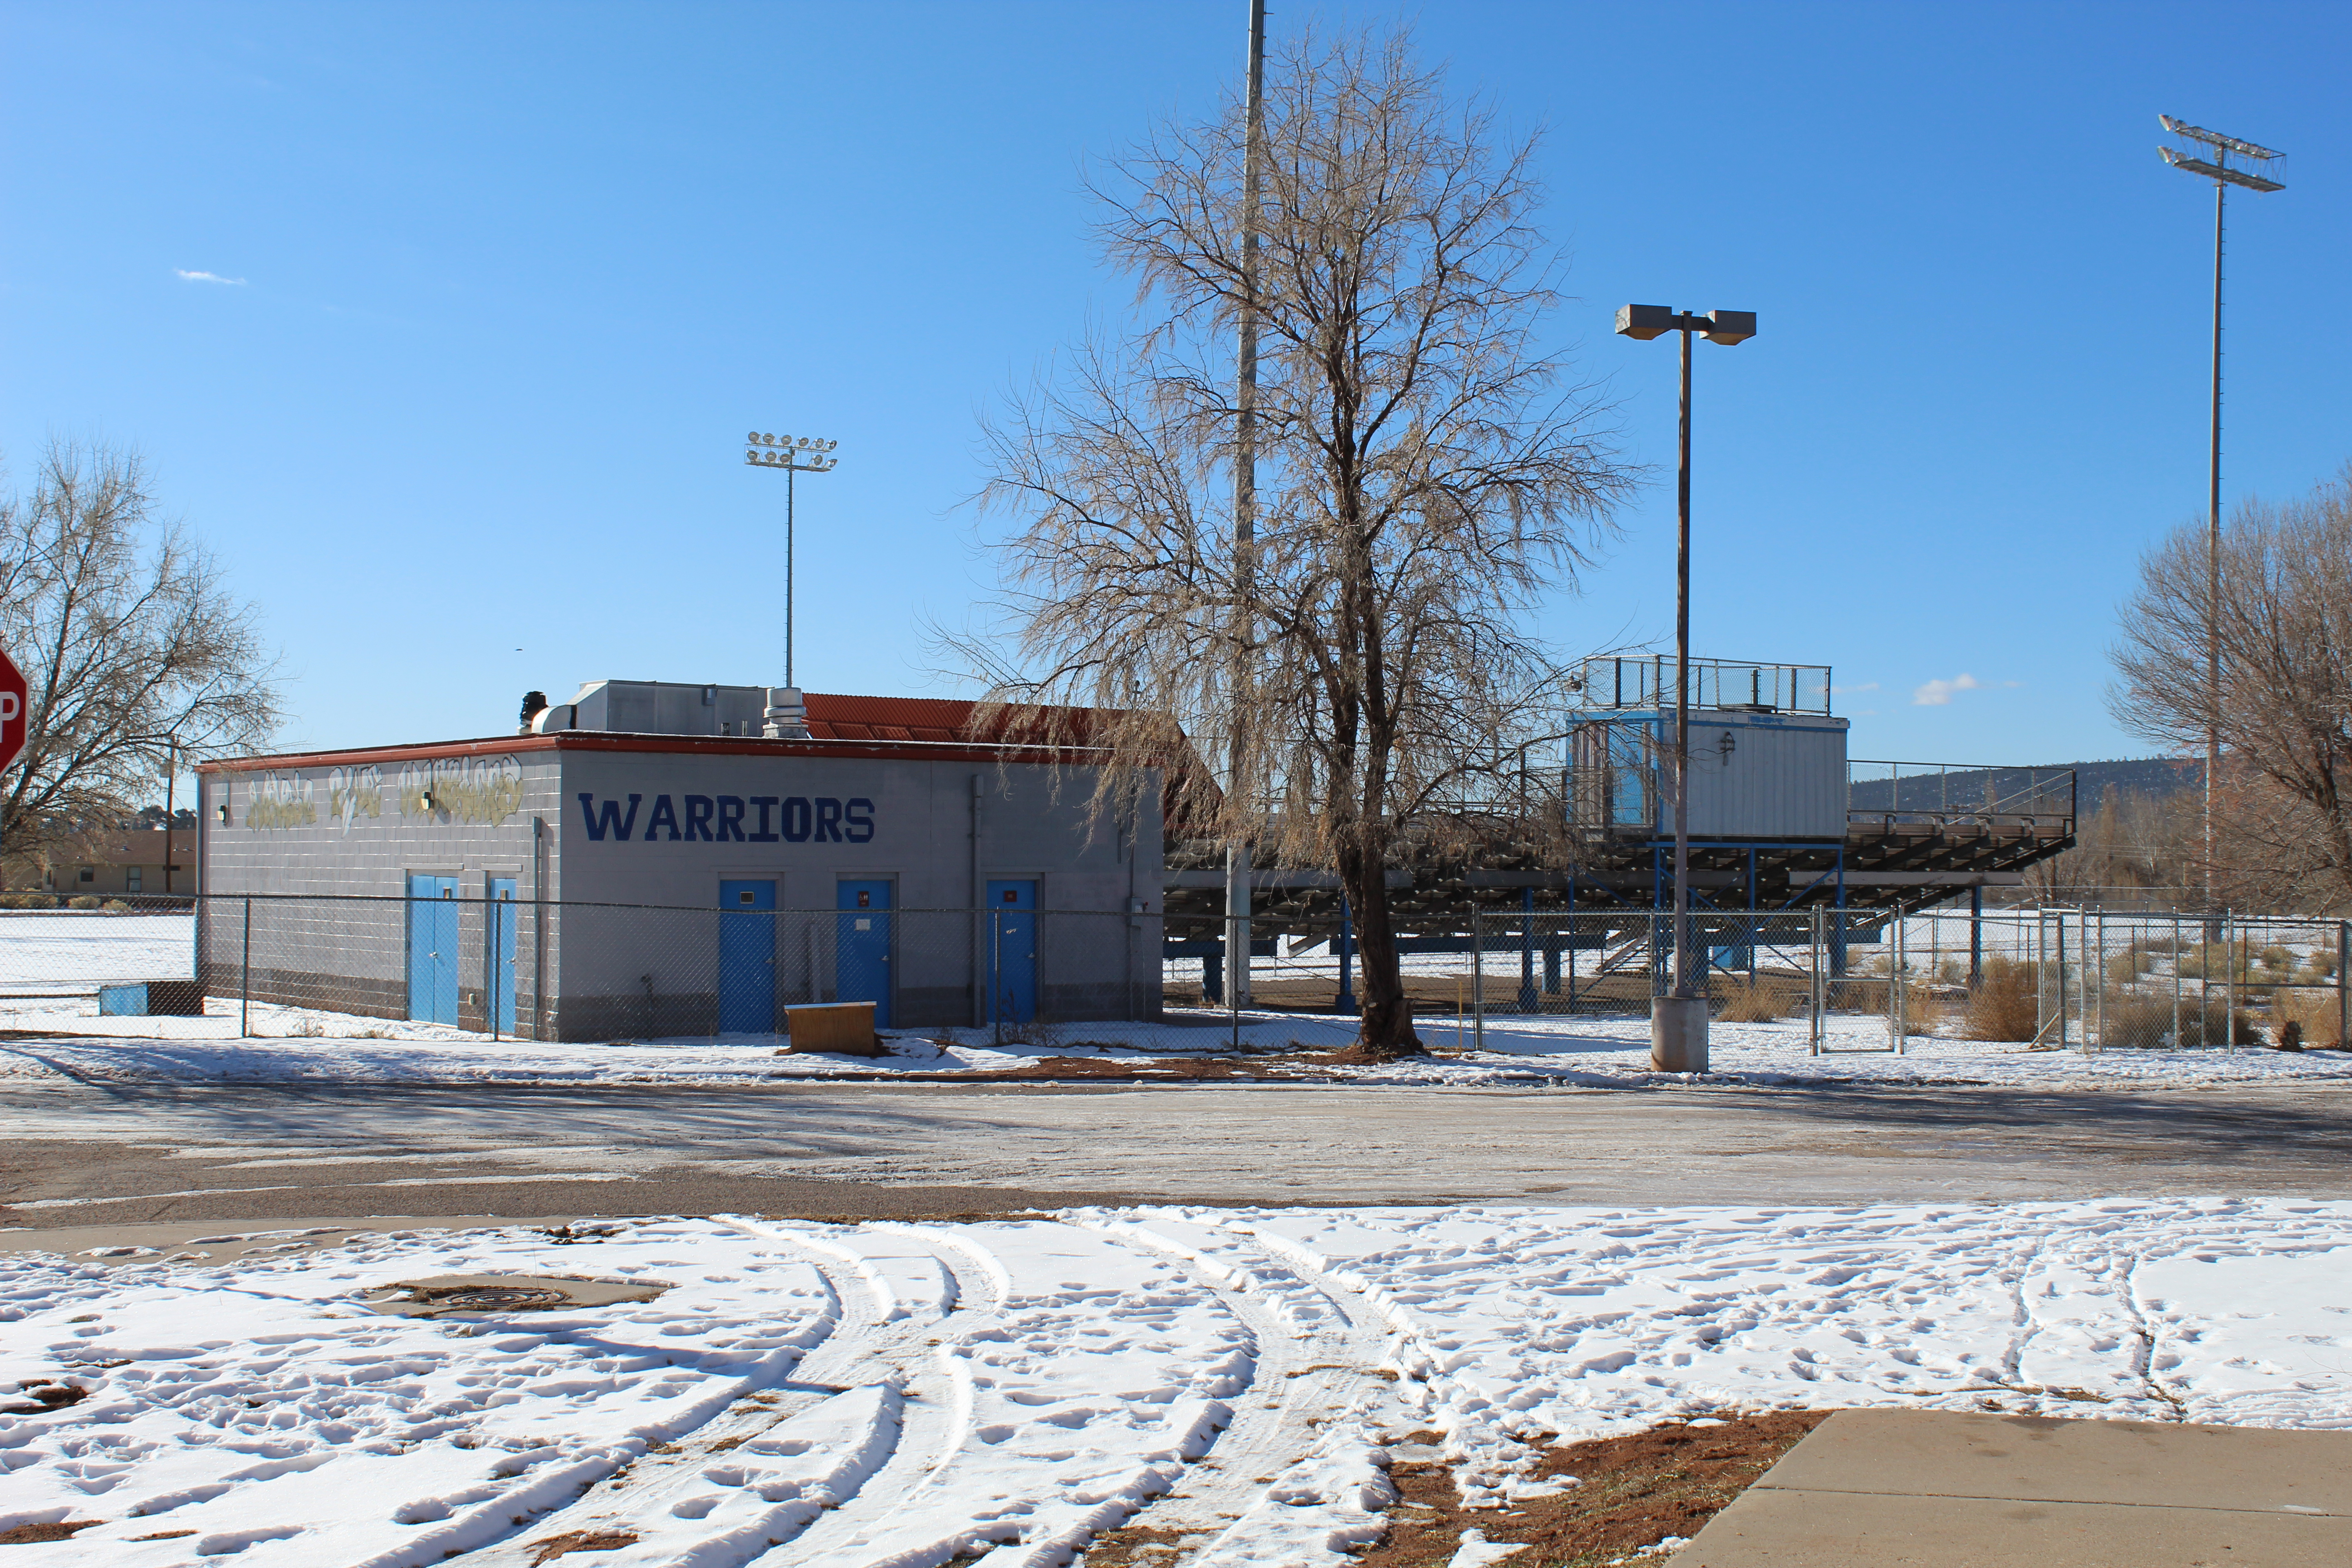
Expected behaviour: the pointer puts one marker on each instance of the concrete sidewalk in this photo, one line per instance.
(1928, 1488)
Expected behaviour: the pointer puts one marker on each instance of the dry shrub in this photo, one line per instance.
(2217, 962)
(2315, 1011)
(1035, 1033)
(1750, 1002)
(1922, 1014)
(2144, 1023)
(2003, 1007)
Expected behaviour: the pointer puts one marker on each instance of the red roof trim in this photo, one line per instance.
(686, 746)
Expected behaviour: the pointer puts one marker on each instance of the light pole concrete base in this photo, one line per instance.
(1678, 1034)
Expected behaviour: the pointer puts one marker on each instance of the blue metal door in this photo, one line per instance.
(433, 949)
(747, 958)
(498, 922)
(1013, 951)
(1632, 760)
(861, 965)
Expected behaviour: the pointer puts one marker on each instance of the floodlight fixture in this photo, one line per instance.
(793, 456)
(1647, 322)
(2218, 169)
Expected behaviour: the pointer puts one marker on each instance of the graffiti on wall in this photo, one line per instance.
(281, 800)
(353, 793)
(478, 789)
(483, 789)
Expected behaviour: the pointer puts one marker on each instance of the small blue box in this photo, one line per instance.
(122, 1000)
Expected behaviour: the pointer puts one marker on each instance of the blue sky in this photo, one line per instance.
(511, 281)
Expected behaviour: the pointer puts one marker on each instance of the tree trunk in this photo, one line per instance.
(1385, 1032)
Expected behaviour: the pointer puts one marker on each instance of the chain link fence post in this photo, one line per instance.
(1813, 988)
(497, 977)
(244, 978)
(1478, 977)
(2229, 984)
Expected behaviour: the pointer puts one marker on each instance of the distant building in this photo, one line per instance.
(111, 860)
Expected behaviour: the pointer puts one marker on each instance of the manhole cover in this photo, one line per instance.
(503, 1293)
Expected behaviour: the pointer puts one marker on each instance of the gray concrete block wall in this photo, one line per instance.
(339, 831)
(916, 833)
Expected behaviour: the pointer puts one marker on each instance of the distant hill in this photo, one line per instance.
(2150, 775)
(2032, 789)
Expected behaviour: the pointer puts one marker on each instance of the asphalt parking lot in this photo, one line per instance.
(94, 1154)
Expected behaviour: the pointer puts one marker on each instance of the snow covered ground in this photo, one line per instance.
(294, 1046)
(804, 1394)
(70, 951)
(48, 951)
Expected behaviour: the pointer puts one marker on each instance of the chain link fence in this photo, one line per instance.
(499, 967)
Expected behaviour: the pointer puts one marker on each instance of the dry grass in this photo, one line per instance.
(2144, 1022)
(2314, 1015)
(1922, 1014)
(1631, 1492)
(2004, 1006)
(1752, 1000)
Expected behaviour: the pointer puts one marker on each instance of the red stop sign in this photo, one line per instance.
(12, 710)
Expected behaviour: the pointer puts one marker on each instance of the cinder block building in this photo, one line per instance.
(644, 861)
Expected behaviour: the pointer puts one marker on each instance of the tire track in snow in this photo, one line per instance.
(856, 1384)
(1315, 1377)
(912, 1360)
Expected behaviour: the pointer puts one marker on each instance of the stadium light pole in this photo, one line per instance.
(2218, 170)
(802, 455)
(1678, 1022)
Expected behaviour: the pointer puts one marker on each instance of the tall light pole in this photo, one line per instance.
(787, 718)
(1678, 1022)
(1238, 855)
(2218, 170)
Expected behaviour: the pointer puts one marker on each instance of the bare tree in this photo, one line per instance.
(2284, 710)
(2132, 851)
(1425, 478)
(128, 644)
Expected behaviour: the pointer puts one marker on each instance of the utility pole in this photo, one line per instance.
(1238, 855)
(171, 778)
(2218, 169)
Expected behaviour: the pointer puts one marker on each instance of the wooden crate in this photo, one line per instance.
(837, 1028)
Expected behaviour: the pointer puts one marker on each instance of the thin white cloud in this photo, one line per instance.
(1939, 693)
(188, 277)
